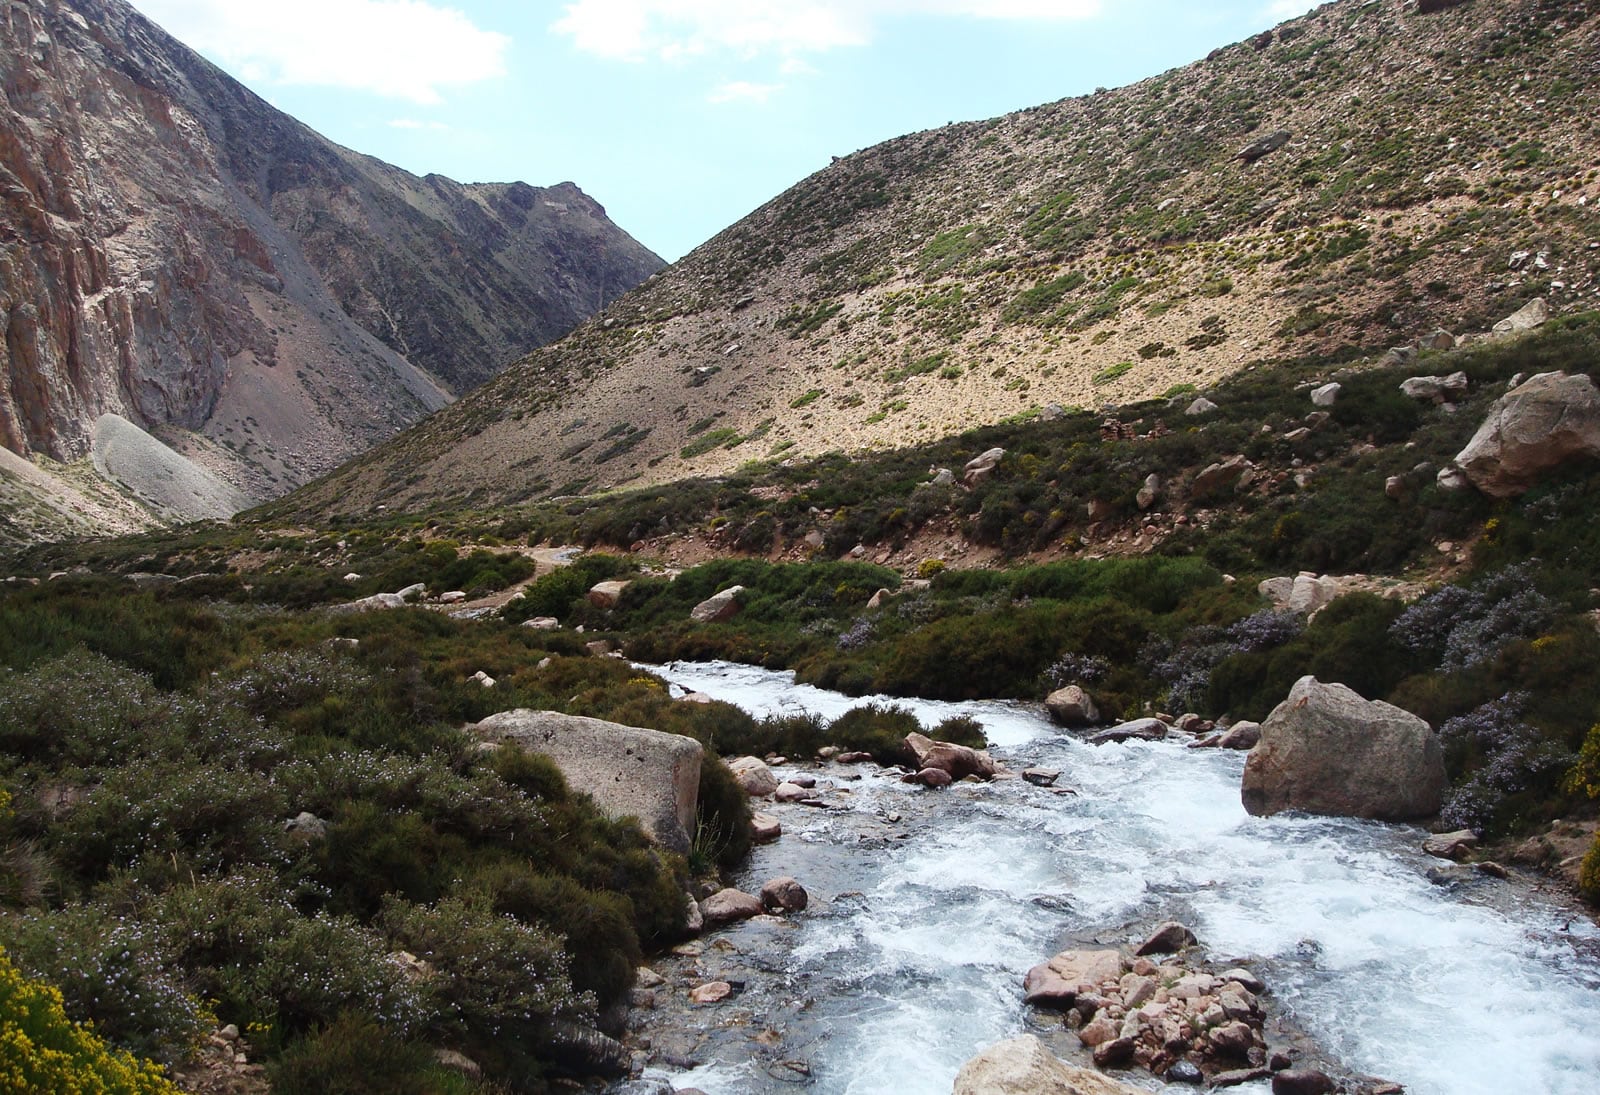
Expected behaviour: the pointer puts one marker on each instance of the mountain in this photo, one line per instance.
(177, 254)
(1353, 179)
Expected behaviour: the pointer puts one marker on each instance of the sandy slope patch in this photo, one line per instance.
(169, 483)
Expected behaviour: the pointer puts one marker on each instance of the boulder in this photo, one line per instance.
(1072, 706)
(730, 905)
(944, 477)
(1302, 1081)
(1217, 476)
(599, 648)
(711, 992)
(1451, 479)
(1395, 487)
(1436, 389)
(607, 594)
(1058, 982)
(1544, 422)
(1325, 750)
(930, 777)
(1533, 314)
(785, 894)
(542, 623)
(789, 792)
(981, 467)
(1150, 493)
(754, 776)
(1327, 395)
(1023, 1066)
(1310, 594)
(960, 761)
(627, 770)
(306, 826)
(1140, 729)
(1439, 339)
(1200, 408)
(1041, 777)
(1169, 938)
(1263, 146)
(1241, 735)
(369, 604)
(718, 607)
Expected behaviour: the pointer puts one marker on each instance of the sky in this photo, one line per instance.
(680, 116)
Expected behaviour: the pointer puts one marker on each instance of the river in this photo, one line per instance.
(931, 905)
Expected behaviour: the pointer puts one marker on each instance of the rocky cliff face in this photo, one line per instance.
(175, 251)
(1350, 181)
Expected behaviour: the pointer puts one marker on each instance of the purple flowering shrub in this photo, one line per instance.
(1462, 626)
(1505, 758)
(1185, 667)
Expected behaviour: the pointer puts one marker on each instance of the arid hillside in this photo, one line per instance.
(1357, 178)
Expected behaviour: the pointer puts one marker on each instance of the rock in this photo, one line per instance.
(931, 777)
(1041, 777)
(1456, 845)
(878, 598)
(607, 594)
(1058, 982)
(1243, 978)
(1440, 339)
(1236, 1077)
(1023, 1066)
(1137, 990)
(1436, 389)
(1302, 1081)
(789, 792)
(1395, 487)
(1098, 1032)
(729, 905)
(1310, 594)
(854, 756)
(542, 623)
(646, 978)
(944, 477)
(1072, 706)
(1452, 479)
(1492, 869)
(1217, 476)
(694, 921)
(1200, 408)
(454, 597)
(712, 992)
(1533, 314)
(784, 893)
(1169, 938)
(1118, 1051)
(1277, 590)
(484, 679)
(981, 467)
(1549, 419)
(1184, 1071)
(377, 601)
(754, 776)
(1241, 735)
(1325, 750)
(1327, 395)
(627, 770)
(1232, 1039)
(1140, 729)
(306, 826)
(1150, 493)
(960, 761)
(764, 828)
(1263, 146)
(719, 607)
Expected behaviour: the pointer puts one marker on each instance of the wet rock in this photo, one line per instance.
(764, 828)
(712, 992)
(1118, 1051)
(729, 906)
(1138, 729)
(959, 760)
(1243, 978)
(1072, 706)
(854, 756)
(1169, 938)
(1058, 982)
(1023, 1066)
(754, 776)
(1492, 869)
(1241, 735)
(1041, 777)
(1302, 1081)
(1237, 1076)
(718, 607)
(1326, 750)
(789, 792)
(1232, 1039)
(1184, 1072)
(646, 978)
(931, 777)
(1457, 845)
(1546, 421)
(1098, 1033)
(784, 893)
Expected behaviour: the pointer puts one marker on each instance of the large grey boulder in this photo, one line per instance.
(627, 770)
(1325, 750)
(718, 607)
(982, 466)
(1023, 1066)
(1544, 422)
(1533, 314)
(959, 761)
(1436, 389)
(1072, 706)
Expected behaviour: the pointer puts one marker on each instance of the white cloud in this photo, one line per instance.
(672, 29)
(743, 91)
(399, 49)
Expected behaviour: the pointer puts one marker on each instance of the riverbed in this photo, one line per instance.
(929, 906)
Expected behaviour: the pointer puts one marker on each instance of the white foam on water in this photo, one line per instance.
(1427, 985)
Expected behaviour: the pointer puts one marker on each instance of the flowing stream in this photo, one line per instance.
(930, 906)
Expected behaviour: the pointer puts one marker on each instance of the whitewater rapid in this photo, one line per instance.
(1455, 987)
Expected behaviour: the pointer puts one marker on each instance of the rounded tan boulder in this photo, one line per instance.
(1023, 1066)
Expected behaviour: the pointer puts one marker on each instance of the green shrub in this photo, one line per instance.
(1589, 872)
(42, 1050)
(879, 729)
(353, 1056)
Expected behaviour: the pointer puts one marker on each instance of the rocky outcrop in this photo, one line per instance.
(1071, 706)
(1325, 750)
(627, 770)
(183, 255)
(1546, 421)
(960, 761)
(1023, 1066)
(1059, 981)
(719, 606)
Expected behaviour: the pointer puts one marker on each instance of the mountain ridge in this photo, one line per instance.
(1263, 203)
